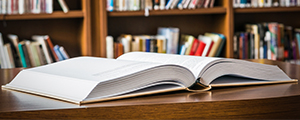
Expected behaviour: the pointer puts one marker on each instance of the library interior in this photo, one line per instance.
(39, 33)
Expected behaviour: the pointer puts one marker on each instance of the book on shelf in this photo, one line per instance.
(186, 45)
(172, 36)
(76, 80)
(265, 3)
(13, 39)
(272, 40)
(136, 5)
(26, 6)
(29, 53)
(200, 48)
(3, 61)
(63, 6)
(9, 56)
(208, 44)
(218, 43)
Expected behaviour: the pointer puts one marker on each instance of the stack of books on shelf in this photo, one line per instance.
(135, 5)
(265, 3)
(26, 6)
(273, 41)
(168, 40)
(29, 53)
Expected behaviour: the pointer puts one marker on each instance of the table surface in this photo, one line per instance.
(216, 103)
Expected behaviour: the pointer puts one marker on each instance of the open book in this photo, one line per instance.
(90, 79)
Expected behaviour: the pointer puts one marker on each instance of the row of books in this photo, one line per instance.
(135, 5)
(29, 6)
(167, 41)
(265, 3)
(128, 43)
(207, 45)
(26, 6)
(29, 53)
(273, 41)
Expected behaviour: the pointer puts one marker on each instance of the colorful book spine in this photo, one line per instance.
(148, 45)
(57, 52)
(200, 48)
(22, 55)
(194, 46)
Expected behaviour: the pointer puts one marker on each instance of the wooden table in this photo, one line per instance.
(265, 101)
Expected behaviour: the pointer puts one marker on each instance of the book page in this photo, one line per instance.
(194, 63)
(94, 69)
(75, 78)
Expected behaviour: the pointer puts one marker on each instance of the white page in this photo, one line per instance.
(194, 63)
(73, 79)
(93, 68)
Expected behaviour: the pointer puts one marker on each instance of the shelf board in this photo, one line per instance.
(54, 15)
(266, 10)
(215, 10)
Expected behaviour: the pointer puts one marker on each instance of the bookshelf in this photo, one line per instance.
(71, 30)
(193, 22)
(222, 18)
(286, 15)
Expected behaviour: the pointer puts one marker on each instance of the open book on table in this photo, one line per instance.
(91, 79)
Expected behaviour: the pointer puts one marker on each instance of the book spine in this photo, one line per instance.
(49, 6)
(63, 5)
(241, 41)
(210, 48)
(22, 55)
(110, 5)
(57, 52)
(9, 56)
(2, 57)
(183, 49)
(222, 44)
(63, 53)
(148, 45)
(200, 48)
(109, 47)
(236, 46)
(194, 47)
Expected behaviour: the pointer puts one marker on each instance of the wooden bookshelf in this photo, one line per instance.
(223, 18)
(215, 10)
(71, 30)
(189, 21)
(267, 10)
(54, 15)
